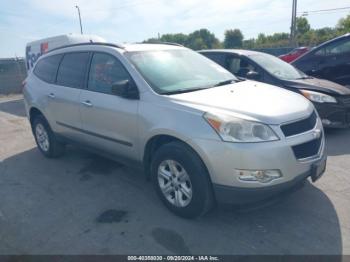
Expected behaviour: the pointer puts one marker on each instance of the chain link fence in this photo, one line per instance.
(12, 74)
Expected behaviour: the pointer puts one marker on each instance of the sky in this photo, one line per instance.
(117, 21)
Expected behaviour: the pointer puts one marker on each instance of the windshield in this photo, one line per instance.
(176, 71)
(277, 67)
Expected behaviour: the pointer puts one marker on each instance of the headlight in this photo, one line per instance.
(232, 129)
(318, 97)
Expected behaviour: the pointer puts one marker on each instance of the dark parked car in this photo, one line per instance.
(331, 100)
(330, 60)
(294, 54)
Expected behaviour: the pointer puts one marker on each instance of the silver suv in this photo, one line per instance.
(201, 134)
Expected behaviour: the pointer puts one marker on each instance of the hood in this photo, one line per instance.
(249, 100)
(316, 84)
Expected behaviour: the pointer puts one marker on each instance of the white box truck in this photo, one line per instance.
(36, 48)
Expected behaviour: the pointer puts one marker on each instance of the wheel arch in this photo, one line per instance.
(34, 112)
(156, 141)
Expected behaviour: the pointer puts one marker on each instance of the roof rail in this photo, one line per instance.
(88, 43)
(161, 43)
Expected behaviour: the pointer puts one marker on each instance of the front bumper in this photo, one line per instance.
(334, 115)
(223, 159)
(240, 196)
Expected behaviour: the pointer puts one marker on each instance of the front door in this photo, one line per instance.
(109, 121)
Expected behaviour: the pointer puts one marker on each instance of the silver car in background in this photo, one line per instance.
(201, 135)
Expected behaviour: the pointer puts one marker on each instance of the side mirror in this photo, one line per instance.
(252, 75)
(125, 89)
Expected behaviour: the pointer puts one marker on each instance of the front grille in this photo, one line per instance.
(300, 126)
(308, 149)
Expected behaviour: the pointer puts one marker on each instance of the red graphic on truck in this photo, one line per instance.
(32, 57)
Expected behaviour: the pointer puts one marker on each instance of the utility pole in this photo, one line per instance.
(81, 27)
(293, 24)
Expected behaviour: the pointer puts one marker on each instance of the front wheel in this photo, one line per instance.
(181, 180)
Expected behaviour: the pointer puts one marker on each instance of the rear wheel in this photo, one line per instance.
(181, 180)
(45, 138)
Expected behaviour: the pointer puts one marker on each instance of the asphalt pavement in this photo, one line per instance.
(84, 204)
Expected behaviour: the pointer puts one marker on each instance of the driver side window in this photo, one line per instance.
(105, 70)
(238, 66)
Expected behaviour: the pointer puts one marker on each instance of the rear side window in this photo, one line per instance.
(72, 69)
(46, 68)
(104, 72)
(336, 48)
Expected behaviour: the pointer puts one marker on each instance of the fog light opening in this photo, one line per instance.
(261, 176)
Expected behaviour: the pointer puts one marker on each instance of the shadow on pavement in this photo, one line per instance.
(301, 222)
(14, 107)
(304, 222)
(338, 141)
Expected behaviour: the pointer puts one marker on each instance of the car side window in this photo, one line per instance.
(105, 70)
(216, 57)
(46, 68)
(72, 69)
(239, 66)
(340, 47)
(232, 64)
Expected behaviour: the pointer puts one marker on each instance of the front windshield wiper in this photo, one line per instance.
(304, 77)
(226, 82)
(187, 90)
(181, 91)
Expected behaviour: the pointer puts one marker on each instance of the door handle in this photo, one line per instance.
(87, 103)
(51, 95)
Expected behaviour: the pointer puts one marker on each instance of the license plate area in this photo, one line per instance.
(318, 169)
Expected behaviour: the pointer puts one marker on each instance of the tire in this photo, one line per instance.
(42, 132)
(193, 195)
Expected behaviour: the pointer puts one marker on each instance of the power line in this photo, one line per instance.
(323, 13)
(325, 10)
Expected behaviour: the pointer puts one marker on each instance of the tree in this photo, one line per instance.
(174, 38)
(202, 39)
(344, 25)
(302, 25)
(151, 40)
(261, 40)
(249, 44)
(233, 38)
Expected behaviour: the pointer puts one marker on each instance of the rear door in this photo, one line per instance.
(45, 71)
(65, 105)
(109, 121)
